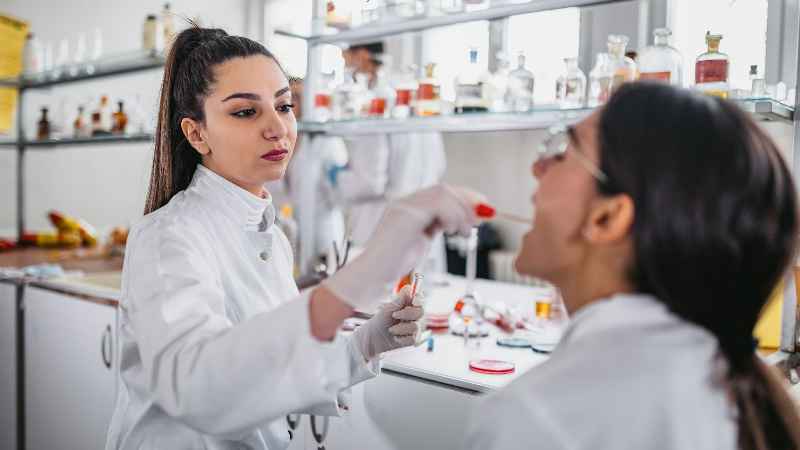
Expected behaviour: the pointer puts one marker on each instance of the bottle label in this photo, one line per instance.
(713, 71)
(427, 92)
(403, 97)
(656, 76)
(470, 91)
(377, 107)
(322, 101)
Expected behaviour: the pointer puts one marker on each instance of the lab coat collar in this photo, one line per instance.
(233, 201)
(620, 311)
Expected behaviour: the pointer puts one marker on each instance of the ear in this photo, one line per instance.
(193, 132)
(610, 221)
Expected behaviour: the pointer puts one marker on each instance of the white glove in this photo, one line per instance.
(402, 241)
(395, 325)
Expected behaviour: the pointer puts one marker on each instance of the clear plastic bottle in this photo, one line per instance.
(500, 84)
(661, 62)
(383, 97)
(600, 80)
(573, 89)
(520, 87)
(711, 69)
(428, 101)
(622, 67)
(472, 87)
(288, 225)
(346, 98)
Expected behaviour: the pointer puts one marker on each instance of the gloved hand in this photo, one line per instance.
(402, 241)
(395, 325)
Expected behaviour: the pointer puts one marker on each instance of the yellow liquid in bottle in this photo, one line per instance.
(720, 94)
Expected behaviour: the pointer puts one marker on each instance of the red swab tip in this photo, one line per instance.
(484, 211)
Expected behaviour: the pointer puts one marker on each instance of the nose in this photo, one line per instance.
(274, 128)
(539, 168)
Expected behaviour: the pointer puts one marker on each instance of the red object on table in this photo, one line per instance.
(491, 366)
(484, 211)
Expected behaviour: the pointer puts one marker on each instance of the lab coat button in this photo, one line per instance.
(264, 256)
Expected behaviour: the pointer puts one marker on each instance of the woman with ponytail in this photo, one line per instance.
(666, 219)
(217, 345)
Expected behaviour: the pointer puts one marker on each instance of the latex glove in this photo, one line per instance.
(395, 325)
(402, 241)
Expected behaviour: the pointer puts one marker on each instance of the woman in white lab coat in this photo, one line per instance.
(216, 343)
(666, 219)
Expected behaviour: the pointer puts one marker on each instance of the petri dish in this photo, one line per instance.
(491, 366)
(514, 342)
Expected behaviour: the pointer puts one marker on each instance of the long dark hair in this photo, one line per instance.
(715, 229)
(188, 78)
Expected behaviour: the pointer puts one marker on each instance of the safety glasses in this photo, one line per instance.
(556, 143)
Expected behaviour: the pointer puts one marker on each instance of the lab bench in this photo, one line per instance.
(68, 328)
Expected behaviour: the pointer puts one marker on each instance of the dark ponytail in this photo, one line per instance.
(715, 229)
(188, 78)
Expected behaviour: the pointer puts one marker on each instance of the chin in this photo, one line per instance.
(274, 173)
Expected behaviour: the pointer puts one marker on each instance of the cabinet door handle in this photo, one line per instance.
(106, 336)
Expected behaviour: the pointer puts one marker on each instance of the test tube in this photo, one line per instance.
(415, 283)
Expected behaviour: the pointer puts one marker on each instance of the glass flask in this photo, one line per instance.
(711, 69)
(661, 62)
(520, 87)
(383, 97)
(347, 98)
(500, 84)
(573, 87)
(428, 100)
(600, 78)
(472, 87)
(622, 67)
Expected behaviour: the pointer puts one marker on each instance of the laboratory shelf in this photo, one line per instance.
(762, 109)
(114, 64)
(400, 17)
(111, 139)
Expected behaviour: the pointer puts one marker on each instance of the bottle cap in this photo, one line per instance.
(151, 17)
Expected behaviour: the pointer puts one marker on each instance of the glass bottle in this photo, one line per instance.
(600, 80)
(346, 102)
(79, 126)
(500, 84)
(44, 126)
(622, 67)
(120, 120)
(323, 99)
(573, 89)
(33, 57)
(363, 94)
(660, 61)
(383, 97)
(106, 115)
(711, 69)
(472, 87)
(407, 87)
(152, 34)
(167, 24)
(520, 87)
(428, 101)
(756, 83)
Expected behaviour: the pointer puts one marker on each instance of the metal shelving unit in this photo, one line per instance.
(318, 33)
(116, 64)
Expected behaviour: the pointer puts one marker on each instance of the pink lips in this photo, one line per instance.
(276, 155)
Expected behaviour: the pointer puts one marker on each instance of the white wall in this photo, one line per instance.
(104, 184)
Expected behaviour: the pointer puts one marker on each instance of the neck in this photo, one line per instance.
(253, 188)
(595, 280)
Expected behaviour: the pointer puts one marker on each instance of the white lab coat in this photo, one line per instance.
(383, 168)
(215, 340)
(628, 375)
(319, 152)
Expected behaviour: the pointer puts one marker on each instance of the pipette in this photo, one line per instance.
(485, 211)
(415, 283)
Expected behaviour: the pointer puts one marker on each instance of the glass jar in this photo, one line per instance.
(500, 85)
(711, 69)
(661, 62)
(600, 80)
(428, 100)
(383, 97)
(573, 86)
(346, 98)
(520, 87)
(472, 86)
(622, 67)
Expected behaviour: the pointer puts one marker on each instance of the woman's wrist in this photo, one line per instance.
(326, 313)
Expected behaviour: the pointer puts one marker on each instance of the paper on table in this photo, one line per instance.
(12, 35)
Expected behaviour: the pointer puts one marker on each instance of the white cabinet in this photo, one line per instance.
(8, 365)
(70, 365)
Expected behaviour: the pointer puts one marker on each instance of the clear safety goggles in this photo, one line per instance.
(556, 143)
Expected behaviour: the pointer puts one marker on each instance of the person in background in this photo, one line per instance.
(383, 167)
(323, 152)
(666, 219)
(216, 343)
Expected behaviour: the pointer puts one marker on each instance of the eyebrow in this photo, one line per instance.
(281, 91)
(573, 136)
(244, 95)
